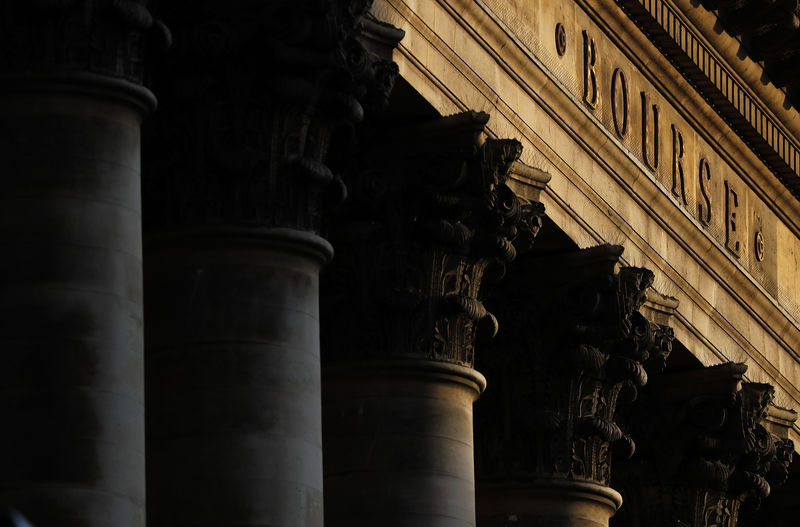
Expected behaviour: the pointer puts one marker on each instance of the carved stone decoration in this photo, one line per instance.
(573, 346)
(428, 216)
(379, 40)
(251, 100)
(705, 457)
(50, 37)
(663, 336)
(769, 32)
(561, 39)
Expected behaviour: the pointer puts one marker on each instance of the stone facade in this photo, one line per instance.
(399, 262)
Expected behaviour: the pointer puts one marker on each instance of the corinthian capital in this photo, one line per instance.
(704, 456)
(428, 215)
(252, 99)
(48, 37)
(574, 344)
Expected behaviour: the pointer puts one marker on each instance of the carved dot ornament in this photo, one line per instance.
(561, 39)
(759, 246)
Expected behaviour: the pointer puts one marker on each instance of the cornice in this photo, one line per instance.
(729, 49)
(770, 34)
(717, 82)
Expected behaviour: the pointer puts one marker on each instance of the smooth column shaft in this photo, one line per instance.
(399, 448)
(233, 384)
(71, 361)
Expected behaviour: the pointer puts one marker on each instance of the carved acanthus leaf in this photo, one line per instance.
(56, 37)
(573, 345)
(252, 99)
(705, 457)
(428, 214)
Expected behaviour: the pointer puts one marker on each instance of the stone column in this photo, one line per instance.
(255, 95)
(428, 218)
(573, 346)
(71, 372)
(704, 456)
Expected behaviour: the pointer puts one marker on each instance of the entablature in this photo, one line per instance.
(761, 117)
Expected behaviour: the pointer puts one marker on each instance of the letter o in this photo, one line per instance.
(619, 88)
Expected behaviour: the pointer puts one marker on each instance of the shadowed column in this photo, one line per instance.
(574, 346)
(235, 188)
(71, 368)
(428, 217)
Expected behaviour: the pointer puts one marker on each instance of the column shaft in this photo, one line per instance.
(233, 361)
(71, 387)
(71, 366)
(235, 197)
(399, 446)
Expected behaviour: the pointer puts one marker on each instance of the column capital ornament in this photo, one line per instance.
(429, 215)
(705, 458)
(57, 37)
(251, 101)
(573, 346)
